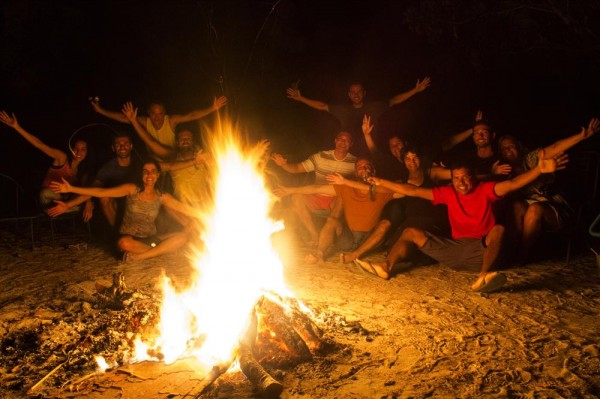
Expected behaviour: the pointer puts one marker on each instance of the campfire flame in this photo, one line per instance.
(236, 266)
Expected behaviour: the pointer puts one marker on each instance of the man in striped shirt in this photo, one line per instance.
(323, 163)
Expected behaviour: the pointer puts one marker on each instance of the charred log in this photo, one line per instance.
(266, 385)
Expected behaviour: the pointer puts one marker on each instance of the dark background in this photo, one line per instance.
(531, 66)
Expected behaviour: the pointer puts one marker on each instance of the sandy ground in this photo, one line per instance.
(420, 334)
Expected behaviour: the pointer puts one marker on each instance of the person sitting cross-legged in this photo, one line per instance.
(139, 239)
(476, 238)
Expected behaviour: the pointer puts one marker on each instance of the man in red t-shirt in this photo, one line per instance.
(476, 238)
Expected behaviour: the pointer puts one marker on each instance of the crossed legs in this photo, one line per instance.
(139, 251)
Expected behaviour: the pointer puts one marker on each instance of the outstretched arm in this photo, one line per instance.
(294, 94)
(327, 189)
(403, 188)
(114, 115)
(462, 136)
(171, 202)
(565, 144)
(419, 87)
(282, 162)
(11, 120)
(198, 113)
(545, 165)
(112, 192)
(338, 179)
(157, 148)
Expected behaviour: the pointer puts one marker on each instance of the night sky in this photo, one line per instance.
(533, 69)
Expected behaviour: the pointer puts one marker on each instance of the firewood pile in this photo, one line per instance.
(57, 349)
(65, 336)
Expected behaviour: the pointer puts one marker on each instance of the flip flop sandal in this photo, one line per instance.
(367, 268)
(493, 284)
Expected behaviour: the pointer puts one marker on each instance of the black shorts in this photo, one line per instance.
(151, 241)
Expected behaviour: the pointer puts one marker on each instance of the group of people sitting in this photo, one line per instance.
(458, 210)
(70, 185)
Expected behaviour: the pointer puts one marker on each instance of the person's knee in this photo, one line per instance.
(495, 234)
(125, 243)
(181, 239)
(333, 222)
(534, 213)
(384, 225)
(413, 235)
(298, 200)
(47, 197)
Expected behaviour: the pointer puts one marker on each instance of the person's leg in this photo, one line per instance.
(514, 222)
(490, 281)
(109, 208)
(326, 239)
(302, 212)
(493, 245)
(536, 218)
(411, 238)
(47, 198)
(131, 245)
(170, 242)
(373, 240)
(401, 250)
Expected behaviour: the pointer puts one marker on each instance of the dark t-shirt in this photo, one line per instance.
(351, 120)
(111, 174)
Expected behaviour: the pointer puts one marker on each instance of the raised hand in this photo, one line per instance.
(219, 102)
(129, 111)
(294, 94)
(479, 116)
(375, 181)
(423, 84)
(281, 191)
(58, 188)
(278, 159)
(503, 169)
(58, 209)
(95, 103)
(592, 128)
(335, 178)
(367, 127)
(199, 157)
(550, 165)
(9, 120)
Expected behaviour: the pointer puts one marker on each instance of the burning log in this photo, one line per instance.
(285, 337)
(276, 337)
(260, 378)
(217, 371)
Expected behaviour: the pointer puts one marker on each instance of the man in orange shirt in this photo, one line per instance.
(360, 204)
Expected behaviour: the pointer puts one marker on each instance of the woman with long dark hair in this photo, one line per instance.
(71, 167)
(138, 234)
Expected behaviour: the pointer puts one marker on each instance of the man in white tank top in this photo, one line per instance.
(160, 125)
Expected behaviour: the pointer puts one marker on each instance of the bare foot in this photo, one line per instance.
(347, 257)
(376, 269)
(313, 259)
